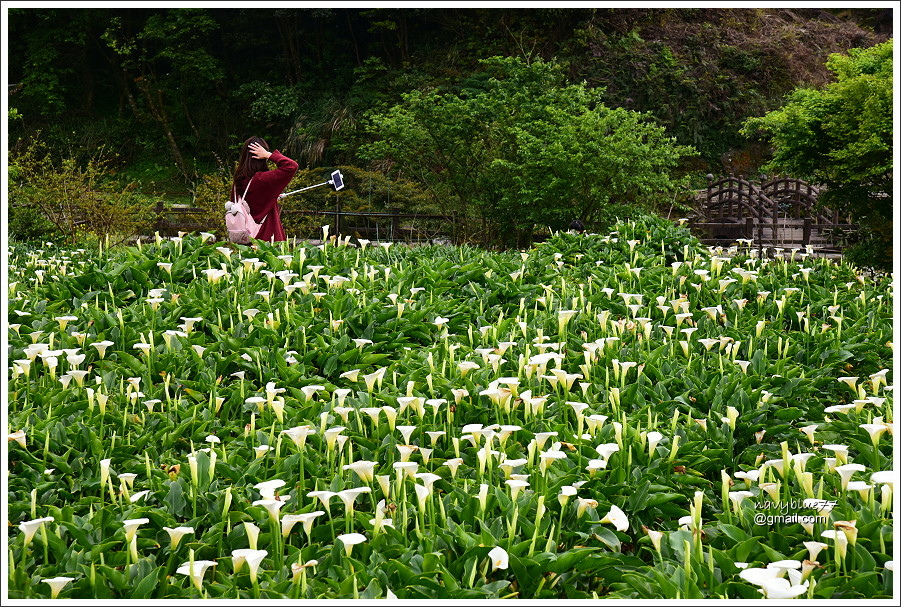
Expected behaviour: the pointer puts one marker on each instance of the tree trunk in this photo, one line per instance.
(288, 31)
(158, 111)
(402, 38)
(122, 78)
(87, 79)
(190, 121)
(353, 37)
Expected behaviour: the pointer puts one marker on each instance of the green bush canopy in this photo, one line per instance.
(841, 136)
(515, 147)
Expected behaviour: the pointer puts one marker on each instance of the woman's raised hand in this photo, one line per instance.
(258, 151)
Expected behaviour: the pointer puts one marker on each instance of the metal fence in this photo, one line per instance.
(394, 225)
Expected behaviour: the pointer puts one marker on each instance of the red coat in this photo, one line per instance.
(262, 196)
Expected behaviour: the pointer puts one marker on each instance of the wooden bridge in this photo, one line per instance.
(776, 212)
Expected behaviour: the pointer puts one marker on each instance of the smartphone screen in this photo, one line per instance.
(337, 180)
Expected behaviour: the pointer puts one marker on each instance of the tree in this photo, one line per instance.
(516, 147)
(169, 64)
(77, 200)
(840, 136)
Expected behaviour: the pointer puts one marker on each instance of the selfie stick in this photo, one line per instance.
(337, 181)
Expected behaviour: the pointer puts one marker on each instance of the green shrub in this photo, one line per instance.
(518, 148)
(210, 194)
(66, 198)
(26, 223)
(841, 136)
(870, 249)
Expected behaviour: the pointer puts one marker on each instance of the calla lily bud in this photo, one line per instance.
(253, 533)
(655, 537)
(483, 496)
(849, 529)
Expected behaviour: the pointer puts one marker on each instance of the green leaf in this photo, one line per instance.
(789, 413)
(568, 560)
(144, 588)
(772, 554)
(734, 533)
(661, 498)
(175, 499)
(608, 537)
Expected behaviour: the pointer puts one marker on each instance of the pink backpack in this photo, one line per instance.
(238, 220)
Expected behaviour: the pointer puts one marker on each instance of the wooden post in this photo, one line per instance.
(749, 227)
(776, 223)
(338, 217)
(741, 178)
(760, 223)
(159, 215)
(807, 228)
(760, 234)
(395, 223)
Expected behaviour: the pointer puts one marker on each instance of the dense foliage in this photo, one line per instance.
(622, 416)
(701, 72)
(170, 93)
(842, 136)
(73, 200)
(179, 87)
(518, 148)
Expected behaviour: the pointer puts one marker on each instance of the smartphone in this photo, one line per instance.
(337, 180)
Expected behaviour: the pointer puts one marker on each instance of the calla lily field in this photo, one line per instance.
(628, 415)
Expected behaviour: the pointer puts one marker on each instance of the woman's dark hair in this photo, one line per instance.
(577, 226)
(248, 166)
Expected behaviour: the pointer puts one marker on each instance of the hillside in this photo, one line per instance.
(171, 92)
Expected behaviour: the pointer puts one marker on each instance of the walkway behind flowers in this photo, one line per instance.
(393, 226)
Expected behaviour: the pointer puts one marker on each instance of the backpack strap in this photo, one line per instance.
(235, 190)
(244, 197)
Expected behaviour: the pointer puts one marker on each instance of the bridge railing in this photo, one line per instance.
(779, 211)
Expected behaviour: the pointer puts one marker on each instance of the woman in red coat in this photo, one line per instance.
(262, 195)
